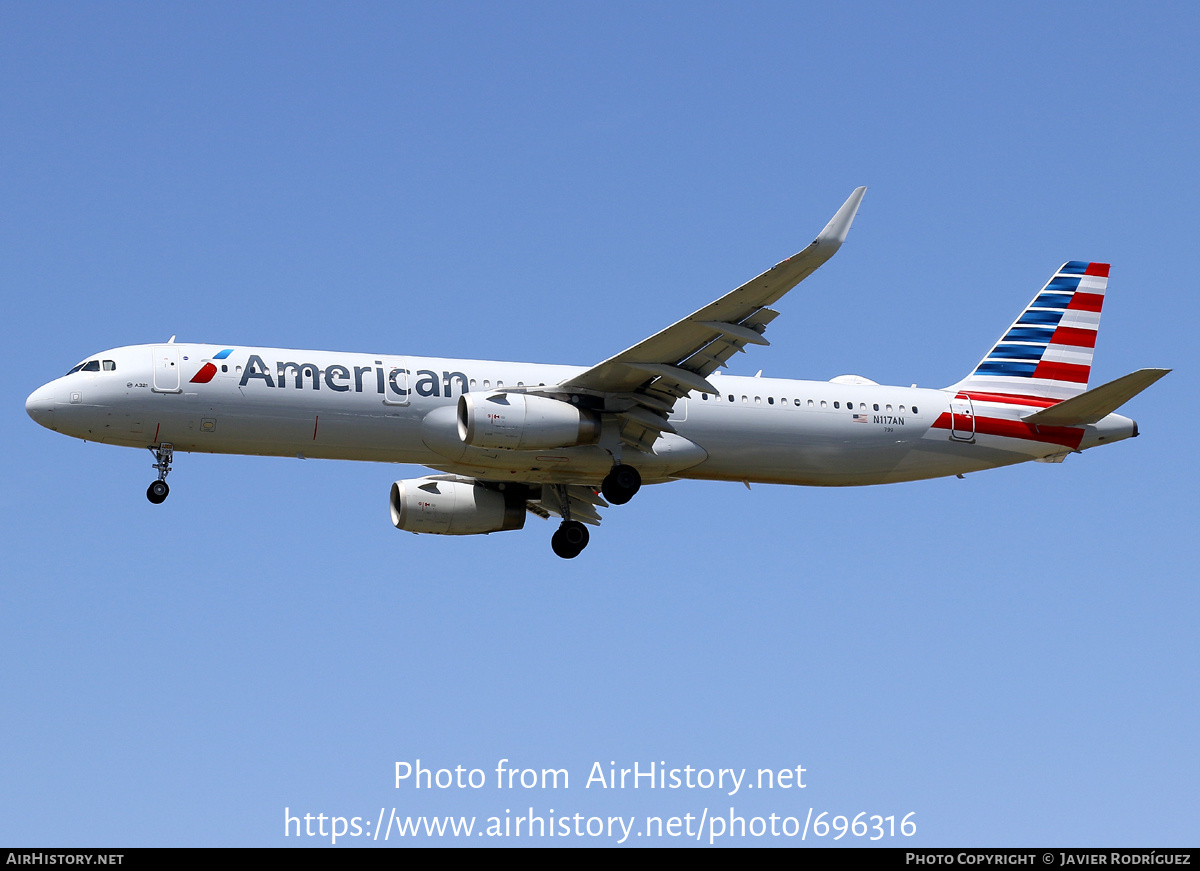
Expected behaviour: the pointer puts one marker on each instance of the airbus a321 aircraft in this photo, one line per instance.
(512, 439)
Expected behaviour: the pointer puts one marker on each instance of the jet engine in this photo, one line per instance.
(518, 421)
(454, 507)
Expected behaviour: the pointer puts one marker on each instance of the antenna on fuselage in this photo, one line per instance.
(171, 341)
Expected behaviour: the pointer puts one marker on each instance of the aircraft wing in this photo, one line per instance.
(677, 360)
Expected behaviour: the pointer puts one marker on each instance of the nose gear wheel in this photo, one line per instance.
(163, 456)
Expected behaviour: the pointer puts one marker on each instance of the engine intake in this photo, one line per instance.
(520, 422)
(454, 507)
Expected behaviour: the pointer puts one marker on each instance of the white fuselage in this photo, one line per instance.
(389, 408)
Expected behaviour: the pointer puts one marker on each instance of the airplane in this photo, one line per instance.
(511, 439)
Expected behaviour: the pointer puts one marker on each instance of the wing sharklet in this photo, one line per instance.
(839, 225)
(744, 306)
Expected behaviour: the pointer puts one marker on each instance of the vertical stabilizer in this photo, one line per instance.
(1047, 353)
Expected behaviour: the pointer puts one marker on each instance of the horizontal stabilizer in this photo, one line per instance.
(1097, 403)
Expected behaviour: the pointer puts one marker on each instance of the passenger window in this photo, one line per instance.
(731, 397)
(810, 403)
(902, 409)
(822, 403)
(472, 383)
(109, 365)
(487, 384)
(224, 368)
(745, 400)
(758, 400)
(914, 409)
(875, 406)
(889, 407)
(771, 400)
(837, 405)
(91, 366)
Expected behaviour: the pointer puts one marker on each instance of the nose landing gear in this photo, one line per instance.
(163, 455)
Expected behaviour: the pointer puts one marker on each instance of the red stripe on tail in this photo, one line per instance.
(1062, 371)
(1074, 336)
(1086, 302)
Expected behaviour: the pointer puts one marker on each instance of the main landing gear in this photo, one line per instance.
(163, 455)
(569, 539)
(621, 484)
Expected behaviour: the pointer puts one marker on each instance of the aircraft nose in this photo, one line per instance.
(40, 406)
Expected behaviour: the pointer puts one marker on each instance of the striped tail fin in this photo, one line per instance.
(1047, 353)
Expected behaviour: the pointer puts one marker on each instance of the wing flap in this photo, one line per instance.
(674, 375)
(582, 503)
(737, 331)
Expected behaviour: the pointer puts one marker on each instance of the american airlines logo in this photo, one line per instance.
(208, 370)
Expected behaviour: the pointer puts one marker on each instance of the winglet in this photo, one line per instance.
(835, 231)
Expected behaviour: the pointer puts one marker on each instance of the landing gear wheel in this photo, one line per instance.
(157, 492)
(163, 455)
(621, 484)
(569, 539)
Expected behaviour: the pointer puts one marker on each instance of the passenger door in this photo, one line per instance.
(165, 366)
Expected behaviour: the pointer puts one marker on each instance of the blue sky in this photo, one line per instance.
(1011, 656)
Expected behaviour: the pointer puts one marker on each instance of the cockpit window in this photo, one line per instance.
(94, 366)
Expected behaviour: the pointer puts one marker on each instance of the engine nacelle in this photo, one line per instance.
(520, 422)
(454, 507)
